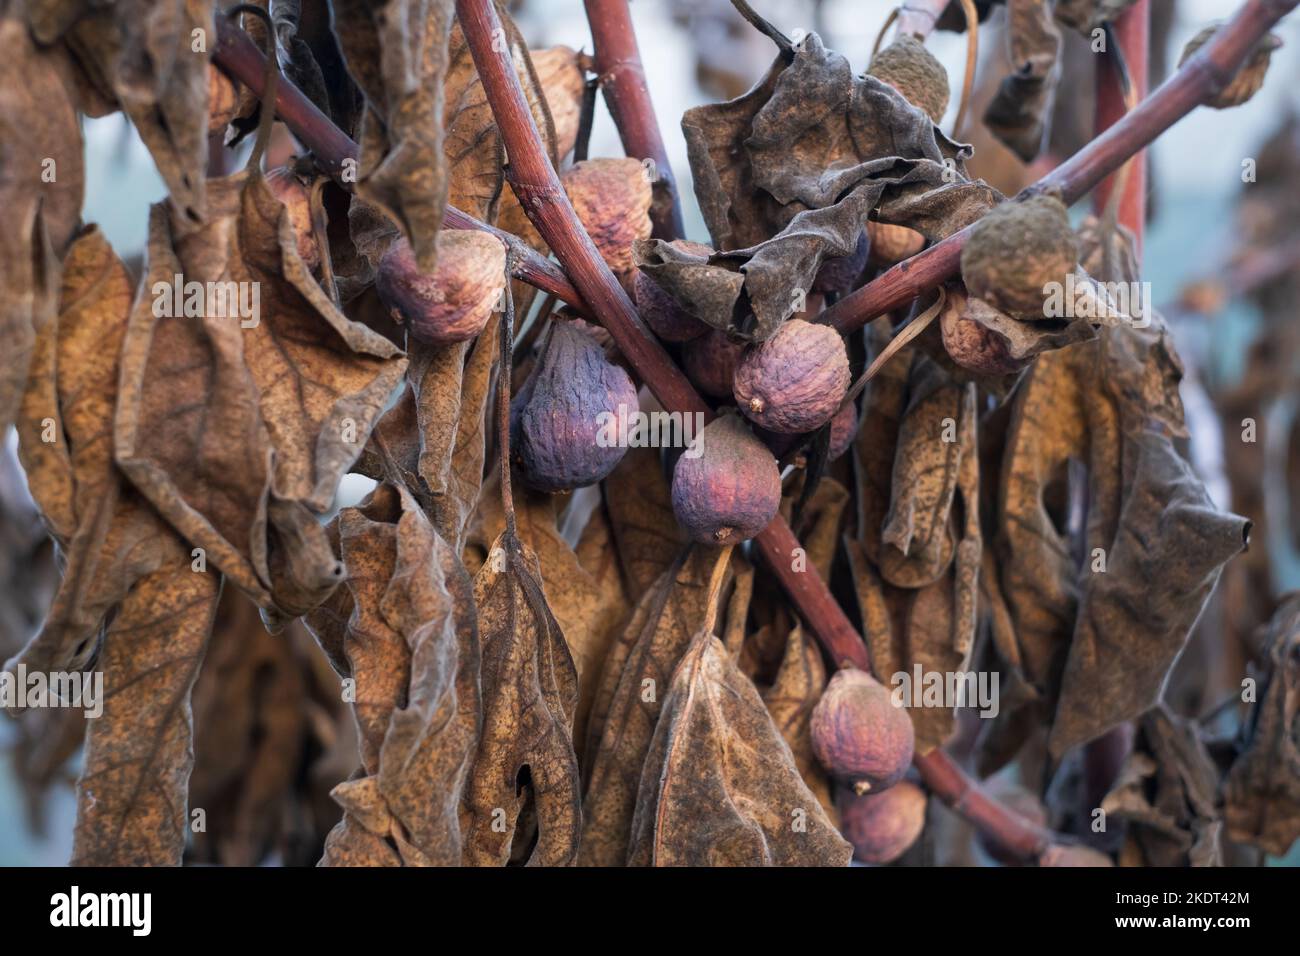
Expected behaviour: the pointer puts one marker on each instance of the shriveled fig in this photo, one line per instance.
(664, 314)
(891, 243)
(1016, 251)
(795, 380)
(710, 362)
(612, 199)
(286, 187)
(970, 344)
(914, 71)
(1246, 82)
(1058, 855)
(844, 428)
(882, 826)
(859, 734)
(731, 489)
(223, 99)
(456, 301)
(838, 276)
(567, 429)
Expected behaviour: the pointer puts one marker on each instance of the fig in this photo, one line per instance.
(971, 344)
(710, 362)
(1058, 855)
(795, 380)
(612, 199)
(456, 301)
(859, 734)
(882, 826)
(293, 194)
(844, 428)
(1248, 79)
(914, 71)
(666, 317)
(839, 275)
(1016, 251)
(890, 243)
(731, 490)
(223, 100)
(571, 413)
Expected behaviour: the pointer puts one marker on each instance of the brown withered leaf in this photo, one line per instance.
(109, 535)
(1262, 796)
(626, 710)
(396, 51)
(818, 527)
(141, 56)
(131, 796)
(530, 692)
(412, 648)
(239, 427)
(791, 701)
(720, 786)
(788, 174)
(876, 447)
(638, 498)
(1166, 793)
(1018, 114)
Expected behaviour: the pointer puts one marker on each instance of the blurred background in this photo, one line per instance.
(1219, 254)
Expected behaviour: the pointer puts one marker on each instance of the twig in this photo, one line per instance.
(337, 154)
(622, 80)
(1201, 77)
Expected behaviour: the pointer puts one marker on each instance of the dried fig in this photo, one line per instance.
(1016, 251)
(454, 303)
(664, 314)
(286, 187)
(914, 71)
(882, 826)
(859, 734)
(731, 489)
(844, 428)
(794, 381)
(710, 362)
(568, 426)
(890, 243)
(612, 199)
(969, 343)
(840, 275)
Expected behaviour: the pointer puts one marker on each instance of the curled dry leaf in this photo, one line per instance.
(1018, 114)
(720, 786)
(530, 695)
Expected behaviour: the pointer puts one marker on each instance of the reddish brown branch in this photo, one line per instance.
(336, 153)
(622, 80)
(1201, 77)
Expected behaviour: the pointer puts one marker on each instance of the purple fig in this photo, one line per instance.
(841, 274)
(666, 317)
(794, 381)
(710, 362)
(727, 488)
(882, 826)
(455, 302)
(859, 734)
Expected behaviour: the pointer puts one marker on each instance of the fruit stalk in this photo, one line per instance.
(1200, 78)
(622, 79)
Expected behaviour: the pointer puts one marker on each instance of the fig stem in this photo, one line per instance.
(1203, 75)
(507, 347)
(716, 580)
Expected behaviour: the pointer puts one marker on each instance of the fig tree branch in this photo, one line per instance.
(622, 79)
(1200, 78)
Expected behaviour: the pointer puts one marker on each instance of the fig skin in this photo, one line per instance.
(970, 344)
(882, 826)
(891, 243)
(293, 195)
(1015, 251)
(612, 199)
(839, 275)
(859, 735)
(844, 428)
(1057, 855)
(455, 303)
(914, 71)
(559, 413)
(730, 492)
(710, 362)
(664, 314)
(795, 380)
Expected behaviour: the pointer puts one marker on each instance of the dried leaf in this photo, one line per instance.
(1018, 114)
(720, 786)
(791, 701)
